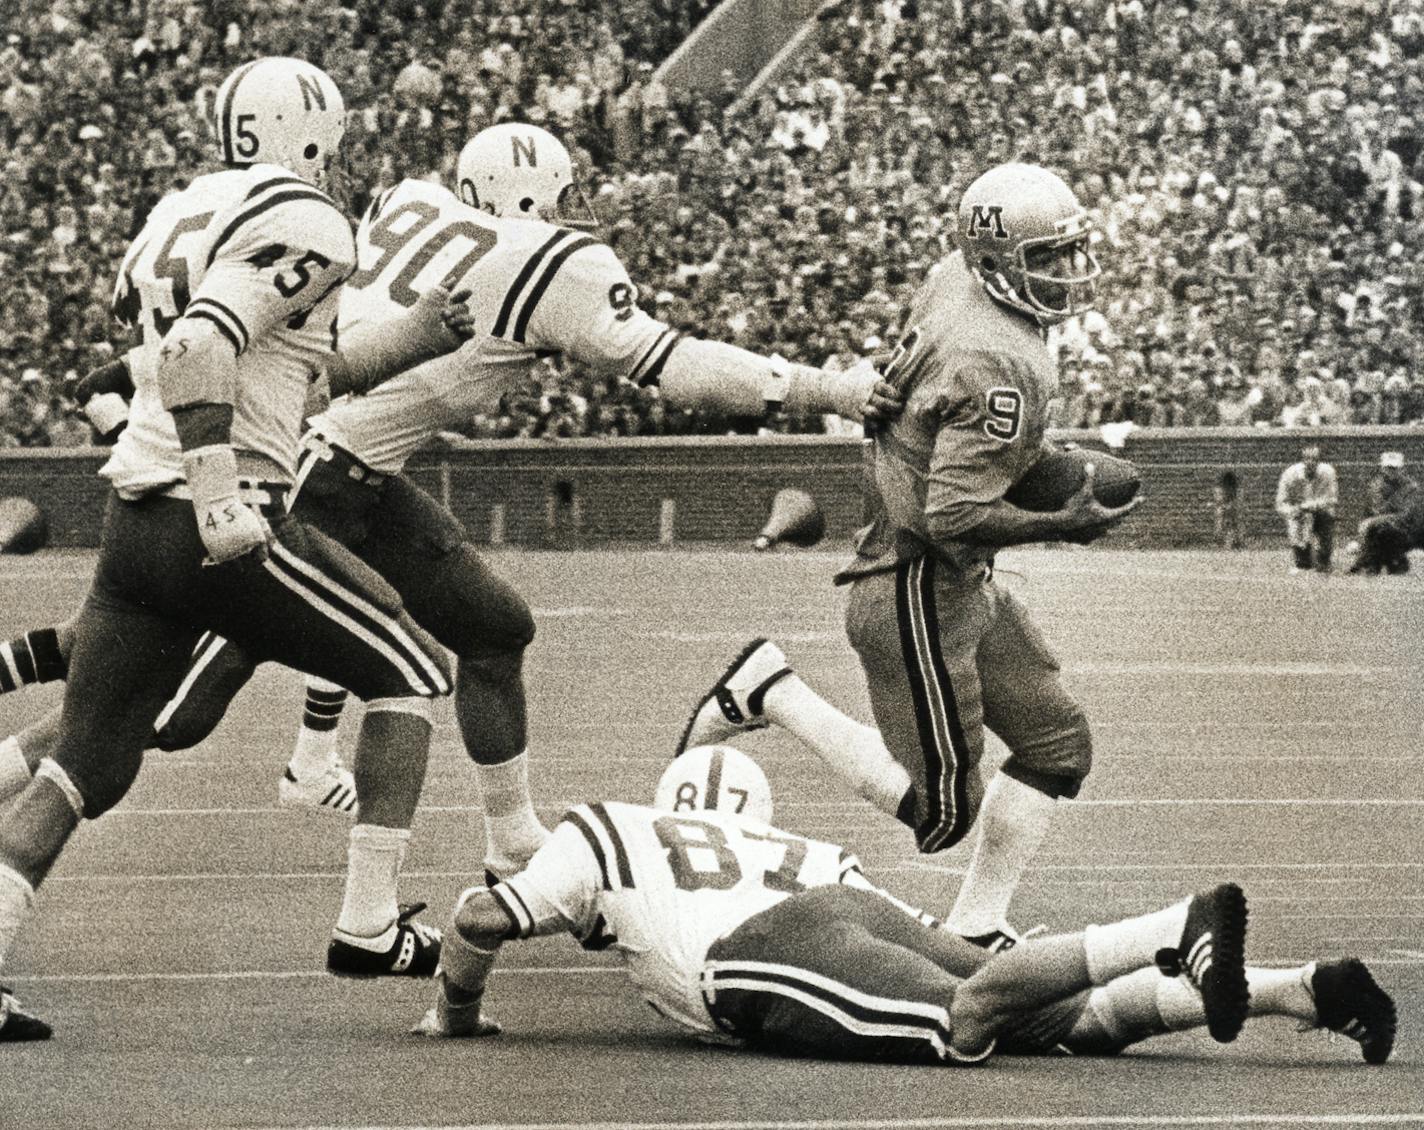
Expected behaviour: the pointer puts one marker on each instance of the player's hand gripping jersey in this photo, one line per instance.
(665, 886)
(976, 380)
(260, 254)
(539, 290)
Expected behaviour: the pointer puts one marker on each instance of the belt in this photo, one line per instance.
(341, 459)
(268, 496)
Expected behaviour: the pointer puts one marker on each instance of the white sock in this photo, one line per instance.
(513, 831)
(373, 861)
(316, 747)
(14, 772)
(16, 895)
(1124, 947)
(854, 750)
(1179, 1004)
(1013, 820)
(1282, 992)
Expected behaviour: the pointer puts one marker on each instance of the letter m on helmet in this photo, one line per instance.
(987, 220)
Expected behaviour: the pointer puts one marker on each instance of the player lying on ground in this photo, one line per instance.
(747, 934)
(945, 650)
(536, 288)
(233, 285)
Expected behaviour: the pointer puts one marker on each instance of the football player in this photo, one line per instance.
(233, 285)
(541, 288)
(945, 650)
(746, 934)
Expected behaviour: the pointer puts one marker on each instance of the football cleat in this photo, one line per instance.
(16, 1024)
(734, 704)
(1212, 956)
(332, 791)
(1348, 1001)
(407, 949)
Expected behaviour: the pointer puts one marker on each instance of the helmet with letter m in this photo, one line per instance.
(281, 111)
(1026, 237)
(524, 172)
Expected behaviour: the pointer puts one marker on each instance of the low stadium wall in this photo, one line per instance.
(568, 493)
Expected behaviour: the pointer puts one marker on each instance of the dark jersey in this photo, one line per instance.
(977, 380)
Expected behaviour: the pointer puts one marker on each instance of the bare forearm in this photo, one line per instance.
(1000, 524)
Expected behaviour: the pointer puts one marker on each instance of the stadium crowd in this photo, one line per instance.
(1255, 172)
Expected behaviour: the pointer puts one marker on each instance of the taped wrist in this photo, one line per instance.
(108, 412)
(211, 472)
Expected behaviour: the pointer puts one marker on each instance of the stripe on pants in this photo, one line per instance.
(208, 648)
(856, 1011)
(946, 753)
(379, 631)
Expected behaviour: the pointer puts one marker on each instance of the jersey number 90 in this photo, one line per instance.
(392, 233)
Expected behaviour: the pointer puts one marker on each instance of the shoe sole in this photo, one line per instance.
(375, 974)
(1361, 987)
(1225, 994)
(711, 696)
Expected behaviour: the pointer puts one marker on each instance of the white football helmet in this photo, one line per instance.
(715, 778)
(1026, 237)
(281, 111)
(521, 171)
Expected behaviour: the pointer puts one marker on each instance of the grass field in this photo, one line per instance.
(1248, 725)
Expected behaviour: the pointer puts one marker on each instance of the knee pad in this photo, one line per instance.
(94, 789)
(413, 705)
(50, 771)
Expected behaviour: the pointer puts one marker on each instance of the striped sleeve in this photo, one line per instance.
(277, 255)
(559, 889)
(573, 296)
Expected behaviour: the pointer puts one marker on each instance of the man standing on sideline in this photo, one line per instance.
(1306, 497)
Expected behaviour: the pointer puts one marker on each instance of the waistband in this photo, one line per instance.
(269, 497)
(341, 459)
(709, 1001)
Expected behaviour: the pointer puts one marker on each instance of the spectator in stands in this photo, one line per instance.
(1258, 179)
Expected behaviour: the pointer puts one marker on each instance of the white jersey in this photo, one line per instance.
(260, 254)
(536, 290)
(661, 887)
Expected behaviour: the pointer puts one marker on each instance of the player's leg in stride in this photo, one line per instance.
(759, 688)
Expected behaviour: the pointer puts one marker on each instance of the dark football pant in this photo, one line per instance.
(406, 536)
(840, 973)
(832, 971)
(947, 652)
(310, 605)
(1384, 544)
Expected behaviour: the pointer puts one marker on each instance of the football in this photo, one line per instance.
(1058, 475)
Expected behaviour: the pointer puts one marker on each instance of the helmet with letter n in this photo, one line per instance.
(1026, 237)
(715, 778)
(522, 171)
(281, 111)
